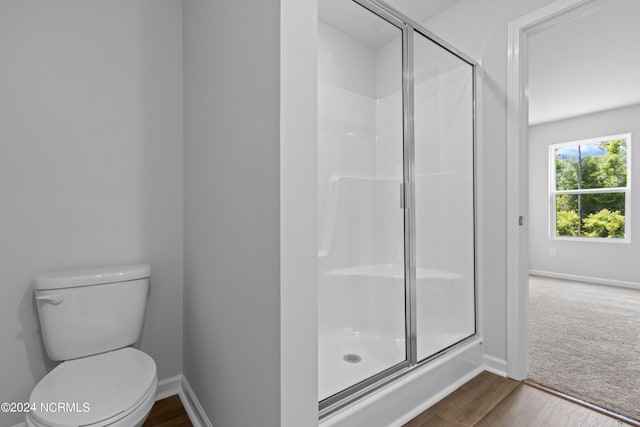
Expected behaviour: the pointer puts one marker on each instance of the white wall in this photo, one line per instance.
(479, 28)
(298, 214)
(232, 209)
(611, 261)
(90, 164)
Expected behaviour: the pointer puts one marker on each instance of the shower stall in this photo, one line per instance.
(396, 235)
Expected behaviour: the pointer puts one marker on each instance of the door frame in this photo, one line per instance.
(517, 261)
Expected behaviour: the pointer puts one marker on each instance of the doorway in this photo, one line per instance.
(537, 239)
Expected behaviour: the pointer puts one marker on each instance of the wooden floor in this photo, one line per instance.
(168, 412)
(489, 400)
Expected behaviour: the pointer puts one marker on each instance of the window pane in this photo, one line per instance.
(596, 165)
(604, 164)
(590, 215)
(567, 168)
(567, 218)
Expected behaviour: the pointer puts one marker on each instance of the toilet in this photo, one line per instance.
(89, 319)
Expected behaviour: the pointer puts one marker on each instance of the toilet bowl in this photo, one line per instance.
(89, 320)
(113, 389)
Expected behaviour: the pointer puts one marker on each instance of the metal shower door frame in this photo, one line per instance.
(411, 362)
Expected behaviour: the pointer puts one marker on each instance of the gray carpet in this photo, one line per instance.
(584, 341)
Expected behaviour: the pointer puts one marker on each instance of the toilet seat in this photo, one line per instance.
(98, 390)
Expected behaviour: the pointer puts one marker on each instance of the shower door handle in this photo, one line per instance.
(401, 195)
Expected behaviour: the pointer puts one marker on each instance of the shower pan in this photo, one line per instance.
(396, 198)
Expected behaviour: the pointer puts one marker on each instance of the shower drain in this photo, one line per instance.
(352, 358)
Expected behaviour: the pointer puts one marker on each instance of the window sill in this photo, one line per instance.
(607, 240)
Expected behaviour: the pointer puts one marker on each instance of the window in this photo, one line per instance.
(590, 188)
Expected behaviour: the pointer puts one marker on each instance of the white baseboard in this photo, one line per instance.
(587, 279)
(495, 365)
(192, 406)
(169, 387)
(179, 385)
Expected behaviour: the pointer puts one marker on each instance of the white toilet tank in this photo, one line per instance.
(85, 312)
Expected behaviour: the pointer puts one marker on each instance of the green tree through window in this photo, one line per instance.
(590, 189)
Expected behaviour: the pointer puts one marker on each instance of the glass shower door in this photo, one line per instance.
(444, 197)
(361, 219)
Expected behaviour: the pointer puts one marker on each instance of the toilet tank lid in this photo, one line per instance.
(92, 276)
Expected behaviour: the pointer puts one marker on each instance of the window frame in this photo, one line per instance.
(553, 192)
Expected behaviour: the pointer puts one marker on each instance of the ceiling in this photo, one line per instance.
(421, 11)
(352, 19)
(586, 65)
